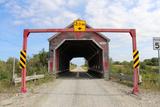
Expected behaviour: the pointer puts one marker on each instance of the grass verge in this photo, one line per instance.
(6, 86)
(151, 83)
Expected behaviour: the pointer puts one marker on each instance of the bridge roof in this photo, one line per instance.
(88, 26)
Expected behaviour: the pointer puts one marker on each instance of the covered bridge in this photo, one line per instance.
(93, 46)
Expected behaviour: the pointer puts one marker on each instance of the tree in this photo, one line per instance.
(6, 68)
(117, 63)
(154, 61)
(125, 63)
(38, 63)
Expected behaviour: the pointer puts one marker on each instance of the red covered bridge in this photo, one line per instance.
(92, 46)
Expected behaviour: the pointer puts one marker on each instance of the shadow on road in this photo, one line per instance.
(75, 75)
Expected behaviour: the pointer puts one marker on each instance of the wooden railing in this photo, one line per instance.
(28, 78)
(121, 76)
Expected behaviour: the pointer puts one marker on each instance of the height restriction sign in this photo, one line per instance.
(156, 43)
(79, 25)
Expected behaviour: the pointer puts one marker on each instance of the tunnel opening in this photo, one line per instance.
(78, 62)
(89, 49)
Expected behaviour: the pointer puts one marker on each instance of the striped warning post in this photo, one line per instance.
(22, 61)
(136, 59)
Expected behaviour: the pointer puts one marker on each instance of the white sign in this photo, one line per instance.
(156, 43)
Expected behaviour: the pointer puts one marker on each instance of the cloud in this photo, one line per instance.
(3, 1)
(41, 13)
(143, 15)
(139, 14)
(125, 13)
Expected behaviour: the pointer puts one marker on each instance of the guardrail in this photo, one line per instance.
(121, 76)
(28, 78)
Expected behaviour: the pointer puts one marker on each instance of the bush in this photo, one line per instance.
(150, 76)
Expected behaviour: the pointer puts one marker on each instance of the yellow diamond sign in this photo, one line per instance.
(79, 25)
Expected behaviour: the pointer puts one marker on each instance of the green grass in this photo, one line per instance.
(7, 86)
(151, 81)
(150, 77)
(85, 68)
(72, 67)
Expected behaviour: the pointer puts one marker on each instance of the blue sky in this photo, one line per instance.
(143, 15)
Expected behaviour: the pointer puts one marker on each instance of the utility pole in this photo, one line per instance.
(156, 46)
(13, 75)
(159, 59)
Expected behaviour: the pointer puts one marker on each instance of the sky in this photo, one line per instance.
(142, 15)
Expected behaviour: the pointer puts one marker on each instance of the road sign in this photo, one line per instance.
(156, 46)
(79, 25)
(135, 59)
(22, 61)
(156, 43)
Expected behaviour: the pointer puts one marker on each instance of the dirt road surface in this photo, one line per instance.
(78, 69)
(83, 91)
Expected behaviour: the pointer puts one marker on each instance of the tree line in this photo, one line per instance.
(38, 63)
(147, 66)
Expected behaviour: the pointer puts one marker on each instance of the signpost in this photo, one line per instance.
(156, 46)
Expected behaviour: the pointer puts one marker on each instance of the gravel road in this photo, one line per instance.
(82, 91)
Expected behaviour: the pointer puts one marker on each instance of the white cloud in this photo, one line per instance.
(3, 1)
(121, 16)
(73, 3)
(41, 13)
(143, 15)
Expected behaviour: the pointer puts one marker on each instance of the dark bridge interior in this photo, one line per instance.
(80, 48)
